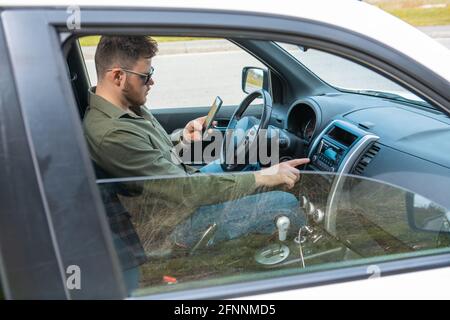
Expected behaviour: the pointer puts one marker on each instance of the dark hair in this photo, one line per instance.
(122, 50)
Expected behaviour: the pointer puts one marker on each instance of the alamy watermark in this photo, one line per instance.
(73, 21)
(73, 281)
(374, 271)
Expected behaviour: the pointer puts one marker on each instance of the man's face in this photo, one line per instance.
(134, 89)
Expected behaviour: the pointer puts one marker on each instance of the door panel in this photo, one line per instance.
(67, 233)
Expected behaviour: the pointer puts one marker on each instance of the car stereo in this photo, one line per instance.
(333, 145)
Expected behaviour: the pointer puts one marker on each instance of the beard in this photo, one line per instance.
(132, 97)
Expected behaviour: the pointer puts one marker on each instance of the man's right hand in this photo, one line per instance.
(279, 174)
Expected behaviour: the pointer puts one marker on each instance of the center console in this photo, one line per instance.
(334, 153)
(335, 145)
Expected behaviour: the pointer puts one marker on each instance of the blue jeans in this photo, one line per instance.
(251, 214)
(237, 218)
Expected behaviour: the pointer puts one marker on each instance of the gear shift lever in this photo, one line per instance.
(283, 226)
(276, 252)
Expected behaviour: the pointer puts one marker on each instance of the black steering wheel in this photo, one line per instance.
(242, 133)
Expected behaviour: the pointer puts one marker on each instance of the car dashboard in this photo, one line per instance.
(376, 138)
(352, 139)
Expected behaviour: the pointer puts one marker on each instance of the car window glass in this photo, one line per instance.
(345, 74)
(236, 237)
(189, 72)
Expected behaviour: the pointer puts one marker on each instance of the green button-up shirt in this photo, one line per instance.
(135, 145)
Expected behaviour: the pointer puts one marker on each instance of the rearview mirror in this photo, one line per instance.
(254, 79)
(426, 215)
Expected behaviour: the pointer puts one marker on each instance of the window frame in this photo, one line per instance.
(18, 272)
(53, 135)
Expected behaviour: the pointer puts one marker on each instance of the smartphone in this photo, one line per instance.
(212, 114)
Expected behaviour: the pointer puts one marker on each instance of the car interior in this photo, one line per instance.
(374, 155)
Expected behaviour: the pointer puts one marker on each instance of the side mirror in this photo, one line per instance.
(426, 215)
(254, 78)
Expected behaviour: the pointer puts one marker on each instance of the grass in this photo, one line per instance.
(416, 12)
(417, 17)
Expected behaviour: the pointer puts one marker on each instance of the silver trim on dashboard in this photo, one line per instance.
(346, 165)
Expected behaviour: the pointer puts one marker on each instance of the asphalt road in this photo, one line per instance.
(192, 73)
(439, 33)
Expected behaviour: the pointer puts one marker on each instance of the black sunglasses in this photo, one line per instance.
(144, 76)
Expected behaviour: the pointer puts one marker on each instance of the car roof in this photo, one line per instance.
(353, 15)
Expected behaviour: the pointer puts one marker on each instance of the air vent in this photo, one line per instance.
(366, 159)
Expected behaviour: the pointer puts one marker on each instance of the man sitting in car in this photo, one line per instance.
(126, 140)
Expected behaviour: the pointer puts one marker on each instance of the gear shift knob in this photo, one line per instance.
(283, 226)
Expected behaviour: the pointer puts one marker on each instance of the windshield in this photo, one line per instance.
(346, 75)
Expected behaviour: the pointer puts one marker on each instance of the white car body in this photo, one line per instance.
(423, 285)
(357, 17)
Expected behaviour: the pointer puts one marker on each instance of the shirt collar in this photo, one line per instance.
(103, 105)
